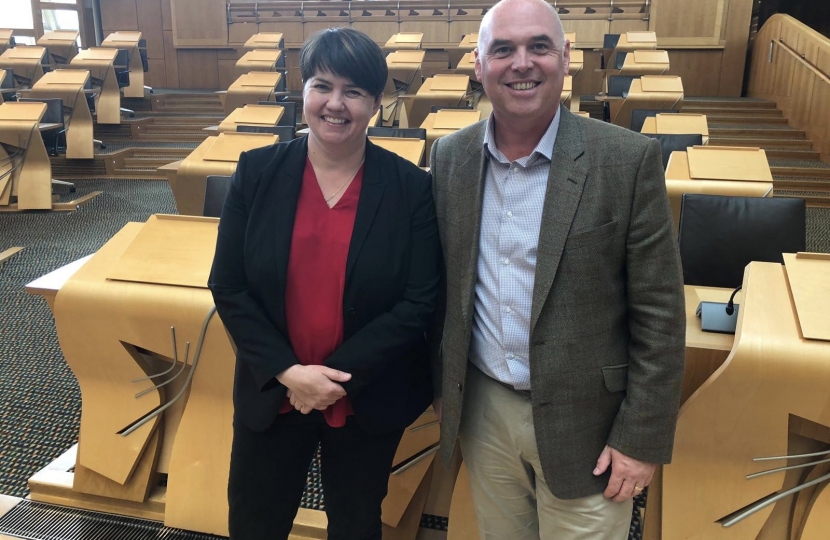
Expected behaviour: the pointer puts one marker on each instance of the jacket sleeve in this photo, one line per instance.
(366, 353)
(259, 344)
(644, 427)
(435, 335)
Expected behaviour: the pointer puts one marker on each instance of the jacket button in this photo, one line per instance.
(460, 387)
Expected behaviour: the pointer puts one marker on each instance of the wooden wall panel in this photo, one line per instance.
(166, 15)
(589, 33)
(681, 18)
(119, 15)
(199, 23)
(149, 22)
(699, 70)
(227, 73)
(198, 69)
(294, 79)
(736, 38)
(623, 26)
(171, 60)
(157, 76)
(588, 82)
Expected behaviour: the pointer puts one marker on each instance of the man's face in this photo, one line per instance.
(523, 62)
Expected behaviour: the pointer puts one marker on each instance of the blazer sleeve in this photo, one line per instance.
(393, 333)
(435, 335)
(259, 344)
(644, 427)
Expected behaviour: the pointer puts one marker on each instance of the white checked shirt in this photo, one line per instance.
(514, 194)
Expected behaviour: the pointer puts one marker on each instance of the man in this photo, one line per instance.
(563, 338)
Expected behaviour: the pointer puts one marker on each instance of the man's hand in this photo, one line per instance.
(313, 387)
(629, 476)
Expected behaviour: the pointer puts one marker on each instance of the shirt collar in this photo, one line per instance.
(543, 148)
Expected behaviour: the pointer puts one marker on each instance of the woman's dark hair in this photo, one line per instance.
(347, 53)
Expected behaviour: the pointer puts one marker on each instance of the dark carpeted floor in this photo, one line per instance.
(39, 398)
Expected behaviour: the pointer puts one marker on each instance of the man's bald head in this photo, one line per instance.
(486, 22)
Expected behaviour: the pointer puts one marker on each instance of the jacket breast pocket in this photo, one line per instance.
(590, 237)
(616, 377)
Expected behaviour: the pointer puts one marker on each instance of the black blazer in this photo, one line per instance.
(392, 275)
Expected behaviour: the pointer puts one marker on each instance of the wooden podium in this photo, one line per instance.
(215, 156)
(446, 121)
(25, 169)
(410, 149)
(677, 124)
(717, 170)
(99, 62)
(440, 90)
(25, 62)
(62, 46)
(114, 313)
(264, 40)
(68, 85)
(767, 400)
(129, 41)
(251, 88)
(251, 115)
(647, 92)
(260, 60)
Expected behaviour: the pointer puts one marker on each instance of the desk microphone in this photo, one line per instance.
(730, 306)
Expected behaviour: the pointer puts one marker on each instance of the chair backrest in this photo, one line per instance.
(609, 41)
(638, 116)
(620, 60)
(289, 115)
(285, 133)
(618, 85)
(720, 235)
(54, 109)
(436, 108)
(121, 65)
(142, 51)
(670, 143)
(216, 189)
(406, 133)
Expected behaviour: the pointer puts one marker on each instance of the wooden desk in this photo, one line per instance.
(404, 40)
(440, 90)
(251, 115)
(264, 40)
(411, 150)
(24, 179)
(404, 76)
(467, 66)
(647, 92)
(251, 88)
(62, 46)
(260, 60)
(113, 312)
(630, 41)
(6, 37)
(728, 171)
(684, 123)
(215, 156)
(68, 85)
(577, 61)
(129, 41)
(467, 44)
(25, 62)
(446, 121)
(99, 62)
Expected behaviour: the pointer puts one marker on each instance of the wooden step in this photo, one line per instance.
(716, 103)
(745, 119)
(802, 183)
(737, 111)
(760, 133)
(803, 144)
(791, 153)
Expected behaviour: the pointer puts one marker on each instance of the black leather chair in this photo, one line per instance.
(620, 60)
(145, 63)
(121, 65)
(609, 41)
(54, 138)
(638, 116)
(289, 115)
(720, 235)
(216, 189)
(618, 85)
(406, 133)
(671, 143)
(286, 133)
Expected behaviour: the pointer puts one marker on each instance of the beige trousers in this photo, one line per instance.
(510, 495)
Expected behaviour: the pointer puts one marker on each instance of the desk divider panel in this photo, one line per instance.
(809, 278)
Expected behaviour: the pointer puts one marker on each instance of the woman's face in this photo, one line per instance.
(337, 111)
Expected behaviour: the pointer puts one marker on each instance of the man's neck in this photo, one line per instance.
(516, 138)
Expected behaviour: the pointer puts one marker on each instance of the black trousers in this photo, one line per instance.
(268, 474)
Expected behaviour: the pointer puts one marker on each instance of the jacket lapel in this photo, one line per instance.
(469, 197)
(371, 193)
(287, 176)
(565, 184)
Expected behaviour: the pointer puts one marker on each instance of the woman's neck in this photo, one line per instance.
(341, 157)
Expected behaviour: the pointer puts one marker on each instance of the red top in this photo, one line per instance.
(317, 277)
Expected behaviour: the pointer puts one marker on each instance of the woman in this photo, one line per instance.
(326, 276)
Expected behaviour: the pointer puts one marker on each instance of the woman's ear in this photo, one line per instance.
(377, 104)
